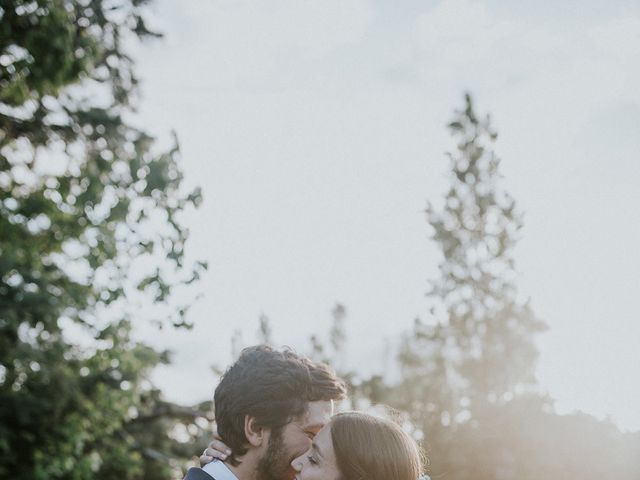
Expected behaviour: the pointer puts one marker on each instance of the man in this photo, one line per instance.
(269, 405)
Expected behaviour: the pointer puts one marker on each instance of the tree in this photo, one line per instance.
(478, 349)
(491, 331)
(89, 225)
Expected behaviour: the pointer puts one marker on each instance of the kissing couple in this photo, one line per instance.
(274, 415)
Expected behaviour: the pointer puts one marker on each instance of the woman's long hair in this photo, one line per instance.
(372, 448)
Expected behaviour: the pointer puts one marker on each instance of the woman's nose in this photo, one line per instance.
(297, 463)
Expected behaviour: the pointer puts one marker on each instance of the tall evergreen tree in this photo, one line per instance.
(86, 205)
(478, 347)
(487, 329)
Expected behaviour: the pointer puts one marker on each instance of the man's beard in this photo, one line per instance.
(275, 464)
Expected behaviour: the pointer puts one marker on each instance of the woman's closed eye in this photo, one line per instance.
(312, 460)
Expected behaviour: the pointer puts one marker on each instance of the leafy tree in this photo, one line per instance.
(89, 225)
(490, 331)
(478, 350)
(484, 331)
(264, 331)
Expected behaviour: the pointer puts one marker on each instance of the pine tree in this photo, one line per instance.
(477, 349)
(488, 331)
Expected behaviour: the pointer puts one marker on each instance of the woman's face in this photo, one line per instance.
(319, 462)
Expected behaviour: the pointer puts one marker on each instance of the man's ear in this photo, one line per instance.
(256, 434)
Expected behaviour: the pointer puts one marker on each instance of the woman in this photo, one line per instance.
(358, 446)
(353, 446)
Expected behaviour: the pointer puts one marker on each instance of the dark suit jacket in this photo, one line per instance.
(198, 474)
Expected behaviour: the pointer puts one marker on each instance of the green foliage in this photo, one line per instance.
(488, 330)
(479, 346)
(477, 350)
(89, 222)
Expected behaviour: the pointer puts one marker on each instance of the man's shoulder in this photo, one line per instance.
(197, 474)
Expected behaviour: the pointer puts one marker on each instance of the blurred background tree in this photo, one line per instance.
(89, 226)
(478, 349)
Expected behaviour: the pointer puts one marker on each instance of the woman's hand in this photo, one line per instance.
(216, 449)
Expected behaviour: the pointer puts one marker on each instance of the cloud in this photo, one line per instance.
(249, 44)
(466, 44)
(460, 31)
(620, 37)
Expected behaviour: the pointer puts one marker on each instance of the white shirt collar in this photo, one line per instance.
(219, 471)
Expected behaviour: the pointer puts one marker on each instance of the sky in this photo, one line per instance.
(317, 131)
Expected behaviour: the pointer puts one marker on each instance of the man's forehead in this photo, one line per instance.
(318, 414)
